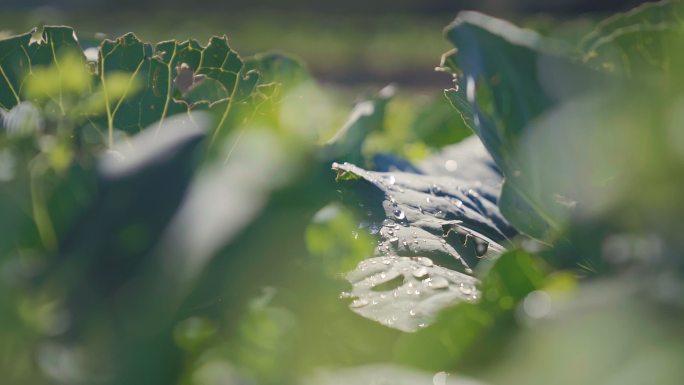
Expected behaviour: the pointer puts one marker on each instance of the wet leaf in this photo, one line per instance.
(462, 333)
(448, 212)
(406, 293)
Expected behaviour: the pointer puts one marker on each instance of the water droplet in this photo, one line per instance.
(440, 378)
(345, 294)
(466, 289)
(424, 261)
(360, 302)
(470, 89)
(355, 235)
(481, 247)
(451, 165)
(399, 214)
(420, 272)
(437, 283)
(374, 228)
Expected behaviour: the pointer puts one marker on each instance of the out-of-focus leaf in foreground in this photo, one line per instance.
(611, 331)
(460, 337)
(386, 374)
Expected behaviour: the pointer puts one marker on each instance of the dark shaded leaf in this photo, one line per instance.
(508, 77)
(140, 185)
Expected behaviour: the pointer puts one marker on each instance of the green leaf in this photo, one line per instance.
(386, 374)
(637, 43)
(172, 77)
(508, 77)
(20, 57)
(436, 125)
(611, 328)
(368, 116)
(14, 64)
(140, 84)
(140, 185)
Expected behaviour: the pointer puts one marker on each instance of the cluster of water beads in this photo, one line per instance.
(420, 280)
(421, 273)
(390, 240)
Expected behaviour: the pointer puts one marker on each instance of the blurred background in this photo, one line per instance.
(350, 43)
(233, 277)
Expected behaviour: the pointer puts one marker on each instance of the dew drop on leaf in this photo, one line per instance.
(451, 165)
(420, 272)
(359, 303)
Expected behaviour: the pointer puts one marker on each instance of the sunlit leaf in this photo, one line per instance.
(448, 212)
(406, 293)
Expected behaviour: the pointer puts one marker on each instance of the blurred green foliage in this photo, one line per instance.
(168, 212)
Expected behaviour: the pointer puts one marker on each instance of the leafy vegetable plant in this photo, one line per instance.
(175, 213)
